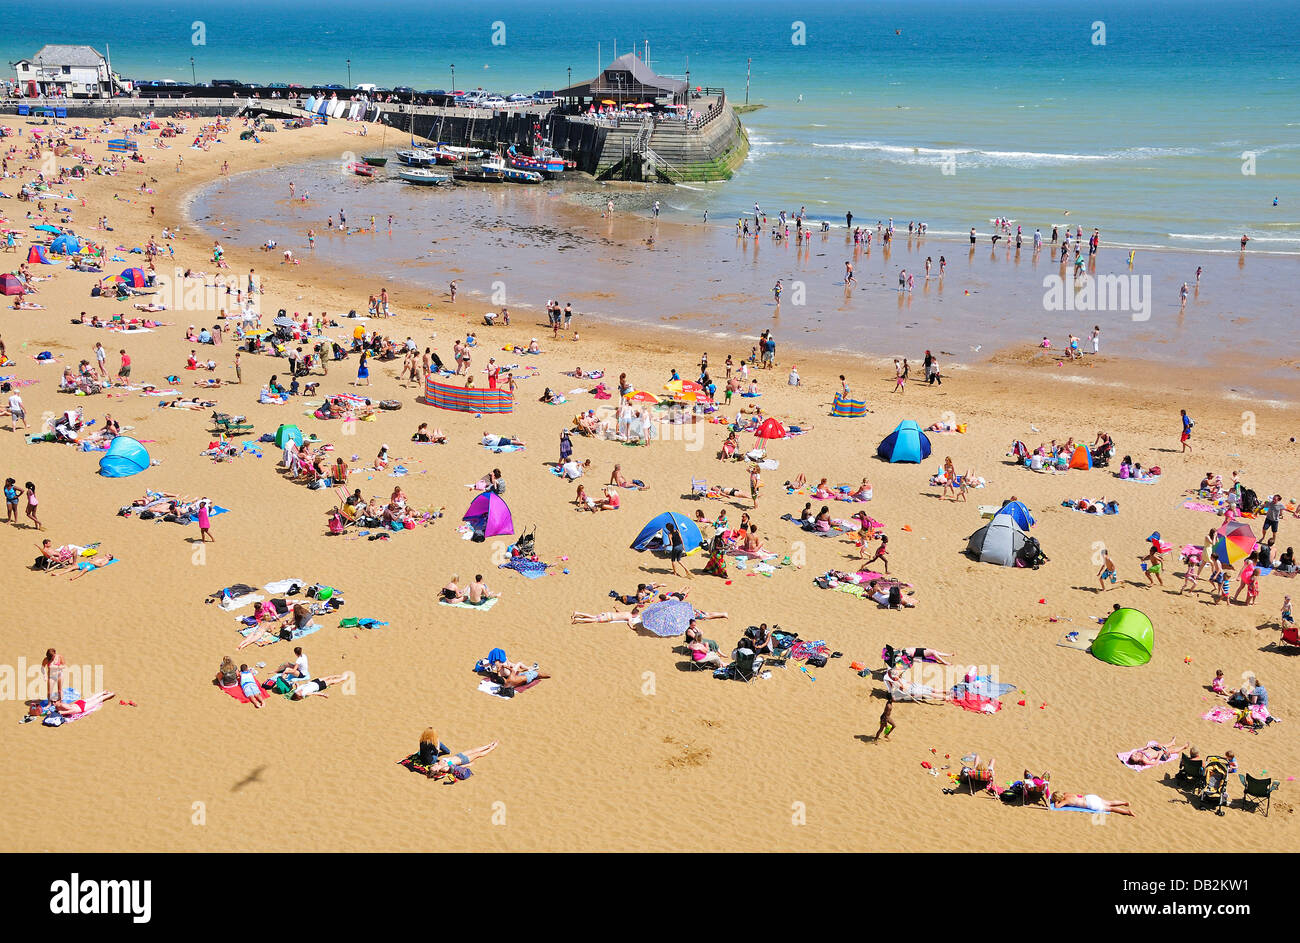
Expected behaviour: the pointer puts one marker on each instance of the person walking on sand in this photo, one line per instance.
(900, 380)
(239, 374)
(17, 412)
(881, 554)
(363, 369)
(11, 501)
(52, 666)
(1155, 562)
(124, 371)
(677, 549)
(1182, 296)
(776, 292)
(1188, 422)
(886, 721)
(101, 358)
(755, 484)
(205, 521)
(1107, 571)
(848, 272)
(32, 502)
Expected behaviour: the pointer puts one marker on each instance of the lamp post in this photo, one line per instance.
(568, 93)
(453, 77)
(349, 73)
(194, 79)
(748, 64)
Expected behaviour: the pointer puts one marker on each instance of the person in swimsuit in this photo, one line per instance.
(1092, 803)
(248, 684)
(583, 618)
(1155, 753)
(53, 666)
(1155, 563)
(316, 686)
(435, 755)
(516, 676)
(452, 592)
(81, 706)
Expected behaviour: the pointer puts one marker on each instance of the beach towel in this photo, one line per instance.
(484, 607)
(1200, 506)
(235, 691)
(804, 649)
(309, 629)
(69, 718)
(1144, 480)
(413, 763)
(498, 449)
(533, 569)
(978, 705)
(1072, 808)
(92, 565)
(981, 688)
(1080, 639)
(284, 586)
(238, 602)
(352, 622)
(491, 687)
(1220, 715)
(1124, 757)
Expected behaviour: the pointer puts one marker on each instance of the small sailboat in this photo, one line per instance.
(378, 160)
(423, 175)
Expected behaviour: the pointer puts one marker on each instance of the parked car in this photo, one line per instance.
(223, 83)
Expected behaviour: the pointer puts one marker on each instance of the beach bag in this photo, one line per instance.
(336, 524)
(1154, 470)
(53, 720)
(817, 661)
(1249, 500)
(389, 404)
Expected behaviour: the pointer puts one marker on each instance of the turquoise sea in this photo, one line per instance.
(1145, 136)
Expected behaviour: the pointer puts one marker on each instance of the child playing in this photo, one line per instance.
(886, 721)
(1252, 588)
(1154, 564)
(1217, 684)
(1107, 571)
(882, 553)
(1287, 621)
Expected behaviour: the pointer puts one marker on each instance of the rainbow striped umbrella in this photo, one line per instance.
(1234, 541)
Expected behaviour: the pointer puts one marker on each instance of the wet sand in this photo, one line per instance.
(525, 244)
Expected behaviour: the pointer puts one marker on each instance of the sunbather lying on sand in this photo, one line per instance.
(83, 705)
(316, 686)
(583, 618)
(1156, 753)
(1093, 803)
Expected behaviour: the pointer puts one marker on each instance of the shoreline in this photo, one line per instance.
(1279, 383)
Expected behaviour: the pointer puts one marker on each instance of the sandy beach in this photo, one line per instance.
(621, 748)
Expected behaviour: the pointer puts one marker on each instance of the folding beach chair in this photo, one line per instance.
(981, 778)
(745, 666)
(1191, 772)
(699, 486)
(1257, 789)
(1034, 795)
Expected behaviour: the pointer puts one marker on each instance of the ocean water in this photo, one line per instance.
(947, 111)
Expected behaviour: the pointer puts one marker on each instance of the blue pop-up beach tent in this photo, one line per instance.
(654, 536)
(1019, 513)
(907, 443)
(66, 244)
(125, 457)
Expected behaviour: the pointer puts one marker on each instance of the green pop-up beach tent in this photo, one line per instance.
(1127, 638)
(287, 432)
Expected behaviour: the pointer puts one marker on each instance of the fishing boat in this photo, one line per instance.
(375, 160)
(443, 155)
(361, 170)
(423, 175)
(486, 172)
(515, 175)
(546, 166)
(416, 157)
(464, 153)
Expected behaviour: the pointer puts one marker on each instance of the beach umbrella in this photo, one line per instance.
(771, 428)
(285, 322)
(45, 227)
(1234, 541)
(686, 390)
(607, 101)
(641, 396)
(668, 618)
(133, 277)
